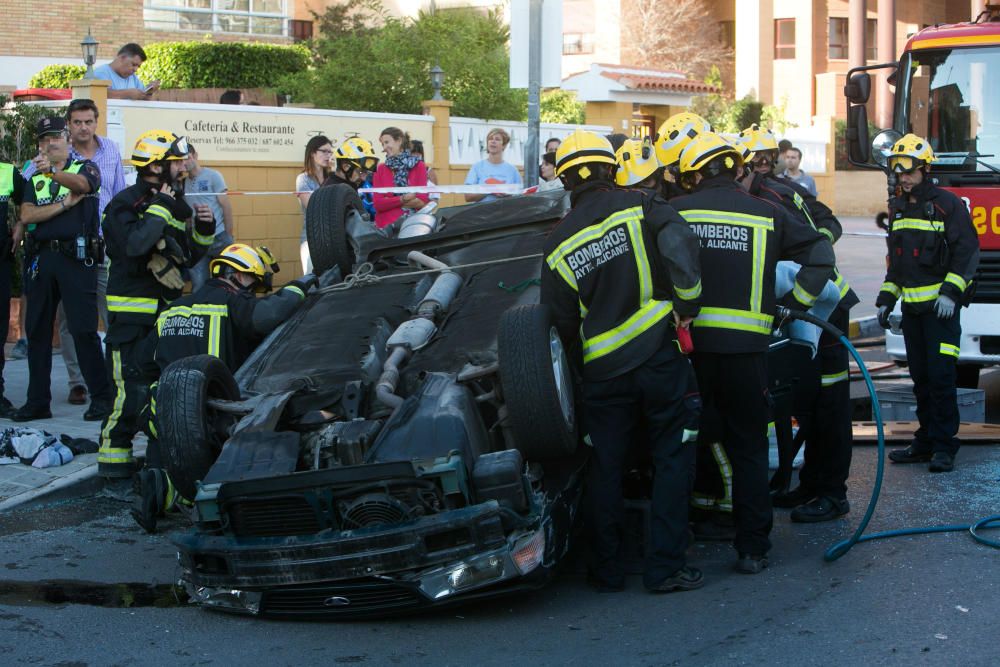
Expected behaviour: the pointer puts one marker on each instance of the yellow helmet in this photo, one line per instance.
(256, 261)
(675, 133)
(358, 152)
(583, 147)
(758, 139)
(909, 153)
(636, 162)
(705, 148)
(156, 145)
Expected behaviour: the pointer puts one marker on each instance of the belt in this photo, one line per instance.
(58, 246)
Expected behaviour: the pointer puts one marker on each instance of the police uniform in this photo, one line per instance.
(830, 437)
(134, 223)
(11, 189)
(615, 269)
(933, 249)
(60, 265)
(742, 239)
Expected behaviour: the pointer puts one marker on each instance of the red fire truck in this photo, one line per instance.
(947, 85)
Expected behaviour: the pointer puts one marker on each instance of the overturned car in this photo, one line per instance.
(406, 439)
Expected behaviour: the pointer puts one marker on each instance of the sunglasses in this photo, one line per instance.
(903, 164)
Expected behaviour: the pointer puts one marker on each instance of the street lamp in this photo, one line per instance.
(89, 46)
(437, 80)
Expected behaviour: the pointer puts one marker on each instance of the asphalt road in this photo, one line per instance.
(927, 600)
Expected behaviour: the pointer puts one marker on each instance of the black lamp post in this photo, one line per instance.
(437, 80)
(89, 46)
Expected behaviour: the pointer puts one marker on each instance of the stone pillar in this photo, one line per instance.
(96, 90)
(886, 45)
(440, 155)
(978, 6)
(856, 33)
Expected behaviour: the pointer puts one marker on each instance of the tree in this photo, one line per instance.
(365, 60)
(679, 35)
(712, 107)
(561, 106)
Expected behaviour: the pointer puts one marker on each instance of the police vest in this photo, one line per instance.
(66, 224)
(6, 190)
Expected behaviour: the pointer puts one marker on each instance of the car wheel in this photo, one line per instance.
(967, 375)
(192, 433)
(536, 383)
(327, 214)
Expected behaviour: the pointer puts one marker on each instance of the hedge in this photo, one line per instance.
(199, 65)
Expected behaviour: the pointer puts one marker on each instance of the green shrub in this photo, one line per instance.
(561, 106)
(841, 162)
(220, 64)
(56, 76)
(742, 114)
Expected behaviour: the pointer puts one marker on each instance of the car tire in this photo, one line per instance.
(536, 383)
(967, 376)
(326, 227)
(191, 433)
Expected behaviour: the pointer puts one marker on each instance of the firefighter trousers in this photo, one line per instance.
(734, 386)
(660, 395)
(830, 439)
(126, 361)
(932, 347)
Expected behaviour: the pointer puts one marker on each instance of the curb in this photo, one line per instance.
(866, 327)
(81, 482)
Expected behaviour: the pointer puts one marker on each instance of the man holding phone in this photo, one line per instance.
(121, 72)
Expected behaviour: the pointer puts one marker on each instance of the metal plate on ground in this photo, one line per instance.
(902, 431)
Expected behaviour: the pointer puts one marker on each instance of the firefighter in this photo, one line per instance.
(355, 161)
(674, 134)
(742, 239)
(822, 491)
(933, 255)
(620, 272)
(148, 242)
(636, 167)
(224, 319)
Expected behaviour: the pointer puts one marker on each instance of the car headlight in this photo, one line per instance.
(529, 551)
(230, 599)
(464, 575)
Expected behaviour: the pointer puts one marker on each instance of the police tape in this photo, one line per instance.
(497, 189)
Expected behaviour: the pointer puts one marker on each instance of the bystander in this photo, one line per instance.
(121, 72)
(792, 157)
(493, 170)
(200, 182)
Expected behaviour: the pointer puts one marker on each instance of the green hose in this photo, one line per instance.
(839, 549)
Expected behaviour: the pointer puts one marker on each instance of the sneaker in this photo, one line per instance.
(824, 508)
(6, 407)
(789, 499)
(909, 455)
(20, 349)
(77, 395)
(942, 462)
(684, 579)
(750, 564)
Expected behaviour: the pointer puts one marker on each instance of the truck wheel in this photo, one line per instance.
(326, 227)
(191, 433)
(967, 375)
(536, 383)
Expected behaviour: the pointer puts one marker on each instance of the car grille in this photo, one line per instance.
(349, 598)
(273, 517)
(988, 278)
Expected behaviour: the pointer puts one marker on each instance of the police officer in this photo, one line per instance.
(148, 242)
(742, 239)
(224, 319)
(355, 160)
(620, 271)
(933, 255)
(11, 189)
(822, 491)
(61, 257)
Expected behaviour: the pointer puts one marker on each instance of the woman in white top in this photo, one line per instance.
(316, 169)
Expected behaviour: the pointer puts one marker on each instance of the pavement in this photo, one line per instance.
(20, 484)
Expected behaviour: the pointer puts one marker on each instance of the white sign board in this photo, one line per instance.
(552, 40)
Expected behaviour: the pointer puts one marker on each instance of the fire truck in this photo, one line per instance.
(947, 89)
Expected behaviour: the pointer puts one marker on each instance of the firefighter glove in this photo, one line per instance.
(165, 271)
(944, 307)
(883, 316)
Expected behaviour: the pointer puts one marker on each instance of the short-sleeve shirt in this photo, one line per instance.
(485, 172)
(118, 82)
(65, 225)
(804, 179)
(304, 183)
(207, 180)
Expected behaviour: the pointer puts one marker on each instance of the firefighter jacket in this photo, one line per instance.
(134, 221)
(614, 269)
(933, 249)
(223, 321)
(803, 206)
(742, 239)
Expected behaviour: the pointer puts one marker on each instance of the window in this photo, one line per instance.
(254, 17)
(300, 30)
(727, 34)
(784, 39)
(575, 42)
(839, 50)
(871, 39)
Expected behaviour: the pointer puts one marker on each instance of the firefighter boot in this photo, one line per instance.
(154, 496)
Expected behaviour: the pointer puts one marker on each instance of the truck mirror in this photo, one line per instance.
(882, 145)
(858, 145)
(858, 88)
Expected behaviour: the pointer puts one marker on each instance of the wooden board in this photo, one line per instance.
(903, 432)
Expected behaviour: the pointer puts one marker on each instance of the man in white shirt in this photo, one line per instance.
(793, 157)
(125, 85)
